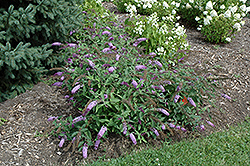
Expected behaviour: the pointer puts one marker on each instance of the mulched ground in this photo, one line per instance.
(28, 112)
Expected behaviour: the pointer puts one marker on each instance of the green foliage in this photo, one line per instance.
(119, 87)
(32, 23)
(165, 38)
(217, 20)
(20, 68)
(220, 30)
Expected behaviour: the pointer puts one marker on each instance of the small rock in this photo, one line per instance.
(59, 153)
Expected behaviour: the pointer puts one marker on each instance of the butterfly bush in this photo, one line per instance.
(218, 21)
(124, 90)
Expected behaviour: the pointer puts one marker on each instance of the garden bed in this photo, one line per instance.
(28, 112)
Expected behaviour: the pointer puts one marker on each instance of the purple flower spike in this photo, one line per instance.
(111, 69)
(183, 129)
(178, 88)
(106, 33)
(155, 131)
(162, 88)
(78, 119)
(210, 123)
(202, 127)
(171, 125)
(152, 54)
(106, 50)
(108, 28)
(66, 96)
(76, 88)
(124, 128)
(52, 118)
(91, 105)
(85, 151)
(132, 137)
(111, 38)
(176, 98)
(97, 144)
(124, 83)
(142, 39)
(101, 132)
(163, 127)
(158, 63)
(57, 84)
(178, 127)
(62, 141)
(62, 78)
(139, 67)
(56, 44)
(226, 96)
(58, 74)
(117, 57)
(134, 83)
(163, 111)
(105, 96)
(191, 101)
(91, 63)
(72, 45)
(136, 44)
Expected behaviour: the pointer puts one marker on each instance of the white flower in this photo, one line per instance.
(198, 28)
(191, 1)
(197, 18)
(209, 17)
(243, 14)
(173, 3)
(222, 6)
(228, 39)
(177, 24)
(248, 9)
(165, 4)
(173, 12)
(177, 5)
(243, 7)
(205, 12)
(213, 13)
(206, 21)
(237, 26)
(227, 14)
(244, 1)
(188, 6)
(180, 31)
(178, 17)
(237, 16)
(209, 5)
(234, 9)
(242, 23)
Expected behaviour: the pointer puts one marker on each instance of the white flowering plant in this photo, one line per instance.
(166, 9)
(217, 20)
(166, 39)
(119, 88)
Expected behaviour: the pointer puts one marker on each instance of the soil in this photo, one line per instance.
(27, 113)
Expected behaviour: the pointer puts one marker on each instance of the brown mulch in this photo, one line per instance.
(27, 113)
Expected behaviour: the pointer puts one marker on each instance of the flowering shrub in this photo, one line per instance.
(120, 89)
(217, 20)
(166, 39)
(166, 9)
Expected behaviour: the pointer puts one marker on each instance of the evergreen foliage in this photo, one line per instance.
(26, 29)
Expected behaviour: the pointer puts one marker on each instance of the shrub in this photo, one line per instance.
(25, 29)
(118, 88)
(217, 20)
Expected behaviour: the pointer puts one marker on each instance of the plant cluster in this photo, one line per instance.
(166, 39)
(218, 21)
(120, 88)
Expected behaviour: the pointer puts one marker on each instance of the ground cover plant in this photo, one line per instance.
(120, 88)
